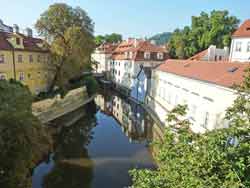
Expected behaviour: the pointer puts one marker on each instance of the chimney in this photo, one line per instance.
(226, 49)
(135, 42)
(15, 28)
(211, 52)
(153, 42)
(28, 32)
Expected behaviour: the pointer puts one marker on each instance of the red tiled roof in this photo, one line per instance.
(199, 55)
(107, 48)
(221, 73)
(29, 43)
(137, 47)
(244, 30)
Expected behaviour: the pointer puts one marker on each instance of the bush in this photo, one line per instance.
(91, 85)
(23, 140)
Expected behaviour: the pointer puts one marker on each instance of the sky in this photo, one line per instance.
(131, 18)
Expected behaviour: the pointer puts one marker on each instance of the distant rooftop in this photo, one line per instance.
(244, 30)
(221, 73)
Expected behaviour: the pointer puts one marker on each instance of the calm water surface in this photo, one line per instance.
(100, 148)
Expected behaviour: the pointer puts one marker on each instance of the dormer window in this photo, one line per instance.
(126, 55)
(159, 55)
(130, 55)
(18, 41)
(147, 55)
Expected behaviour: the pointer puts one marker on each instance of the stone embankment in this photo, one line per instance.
(50, 109)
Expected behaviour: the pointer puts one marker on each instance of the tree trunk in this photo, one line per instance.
(58, 69)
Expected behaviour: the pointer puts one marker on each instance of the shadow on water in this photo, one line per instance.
(99, 148)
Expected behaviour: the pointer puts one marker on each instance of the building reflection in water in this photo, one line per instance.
(91, 149)
(134, 121)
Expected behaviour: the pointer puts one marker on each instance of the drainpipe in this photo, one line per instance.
(14, 62)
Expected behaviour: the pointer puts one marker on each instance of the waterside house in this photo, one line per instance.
(128, 58)
(205, 86)
(26, 59)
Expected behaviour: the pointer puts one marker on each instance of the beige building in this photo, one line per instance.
(26, 59)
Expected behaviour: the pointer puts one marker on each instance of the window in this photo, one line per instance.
(206, 120)
(38, 58)
(147, 55)
(248, 47)
(21, 76)
(176, 100)
(3, 76)
(193, 111)
(130, 55)
(20, 58)
(18, 41)
(159, 55)
(1, 58)
(238, 47)
(31, 58)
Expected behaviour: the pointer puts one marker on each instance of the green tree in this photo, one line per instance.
(161, 38)
(69, 32)
(23, 140)
(215, 28)
(112, 38)
(99, 39)
(218, 158)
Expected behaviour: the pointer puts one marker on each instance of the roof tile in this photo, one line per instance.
(209, 71)
(244, 30)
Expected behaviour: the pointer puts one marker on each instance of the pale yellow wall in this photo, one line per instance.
(7, 67)
(37, 75)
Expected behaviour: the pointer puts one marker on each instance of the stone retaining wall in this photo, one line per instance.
(51, 109)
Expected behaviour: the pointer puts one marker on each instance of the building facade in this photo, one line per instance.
(129, 56)
(205, 87)
(26, 59)
(103, 57)
(240, 46)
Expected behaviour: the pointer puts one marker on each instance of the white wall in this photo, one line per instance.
(103, 61)
(127, 70)
(242, 56)
(168, 90)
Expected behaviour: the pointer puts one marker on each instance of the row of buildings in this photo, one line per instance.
(24, 58)
(203, 82)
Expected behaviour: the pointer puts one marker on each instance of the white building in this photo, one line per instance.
(128, 58)
(240, 46)
(212, 54)
(204, 86)
(102, 56)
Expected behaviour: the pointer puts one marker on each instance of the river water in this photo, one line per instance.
(100, 147)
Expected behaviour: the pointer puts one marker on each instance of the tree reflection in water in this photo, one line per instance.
(73, 166)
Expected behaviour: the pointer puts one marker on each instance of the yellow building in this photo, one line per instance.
(26, 59)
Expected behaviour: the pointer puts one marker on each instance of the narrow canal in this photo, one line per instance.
(97, 146)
